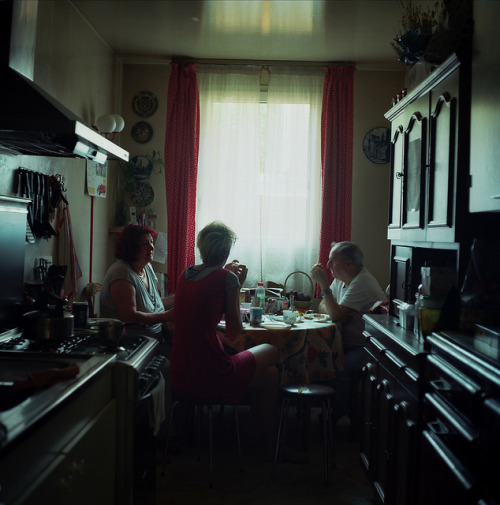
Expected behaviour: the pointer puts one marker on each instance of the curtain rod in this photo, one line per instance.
(180, 59)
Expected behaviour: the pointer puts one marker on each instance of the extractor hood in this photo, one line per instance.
(31, 121)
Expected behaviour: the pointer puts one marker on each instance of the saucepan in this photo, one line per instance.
(47, 324)
(108, 329)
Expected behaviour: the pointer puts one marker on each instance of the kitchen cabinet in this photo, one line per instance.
(430, 416)
(460, 447)
(390, 419)
(425, 158)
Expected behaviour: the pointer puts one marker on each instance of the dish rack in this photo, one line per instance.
(300, 304)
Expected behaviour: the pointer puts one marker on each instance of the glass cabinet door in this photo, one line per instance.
(396, 182)
(414, 161)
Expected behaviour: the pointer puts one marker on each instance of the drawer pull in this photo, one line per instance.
(438, 427)
(441, 385)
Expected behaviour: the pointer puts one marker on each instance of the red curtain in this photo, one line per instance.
(336, 158)
(181, 166)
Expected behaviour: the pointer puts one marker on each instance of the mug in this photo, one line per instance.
(289, 316)
(256, 315)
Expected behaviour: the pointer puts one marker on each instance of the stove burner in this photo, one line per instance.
(87, 345)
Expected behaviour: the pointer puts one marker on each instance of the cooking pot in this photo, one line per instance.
(46, 324)
(108, 328)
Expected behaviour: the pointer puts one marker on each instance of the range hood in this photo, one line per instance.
(31, 121)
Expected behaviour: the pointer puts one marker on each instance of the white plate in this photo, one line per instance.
(275, 325)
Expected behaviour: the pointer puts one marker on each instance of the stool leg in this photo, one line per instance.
(325, 438)
(332, 439)
(169, 429)
(237, 425)
(281, 429)
(210, 438)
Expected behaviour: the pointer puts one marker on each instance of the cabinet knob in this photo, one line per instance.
(399, 175)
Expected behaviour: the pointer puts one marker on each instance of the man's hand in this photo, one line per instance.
(320, 275)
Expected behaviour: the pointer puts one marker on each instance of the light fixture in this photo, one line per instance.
(109, 125)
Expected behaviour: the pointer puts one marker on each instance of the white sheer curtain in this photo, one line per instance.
(259, 167)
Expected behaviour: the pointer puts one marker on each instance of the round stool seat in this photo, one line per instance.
(309, 390)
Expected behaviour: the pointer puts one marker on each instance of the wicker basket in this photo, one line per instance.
(299, 304)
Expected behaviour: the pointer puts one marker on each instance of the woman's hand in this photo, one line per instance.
(237, 344)
(320, 275)
(241, 271)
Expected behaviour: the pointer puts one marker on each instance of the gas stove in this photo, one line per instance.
(80, 344)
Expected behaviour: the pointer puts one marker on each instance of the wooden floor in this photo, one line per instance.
(186, 479)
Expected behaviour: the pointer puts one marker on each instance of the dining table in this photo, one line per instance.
(310, 350)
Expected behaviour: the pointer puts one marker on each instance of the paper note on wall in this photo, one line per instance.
(96, 178)
(160, 254)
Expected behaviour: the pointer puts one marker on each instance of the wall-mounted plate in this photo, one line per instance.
(377, 145)
(145, 103)
(142, 132)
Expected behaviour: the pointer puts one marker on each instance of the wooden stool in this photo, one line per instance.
(304, 394)
(199, 404)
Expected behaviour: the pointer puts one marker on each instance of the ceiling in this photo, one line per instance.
(154, 31)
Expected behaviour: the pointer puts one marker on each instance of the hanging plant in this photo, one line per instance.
(418, 26)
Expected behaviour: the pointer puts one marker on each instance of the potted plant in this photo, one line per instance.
(418, 26)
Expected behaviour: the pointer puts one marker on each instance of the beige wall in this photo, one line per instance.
(373, 92)
(154, 79)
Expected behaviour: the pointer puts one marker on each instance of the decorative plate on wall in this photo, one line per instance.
(142, 132)
(143, 195)
(145, 103)
(377, 145)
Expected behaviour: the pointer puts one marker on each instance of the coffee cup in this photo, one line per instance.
(256, 315)
(290, 316)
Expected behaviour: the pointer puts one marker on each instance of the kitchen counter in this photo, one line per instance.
(59, 445)
(43, 401)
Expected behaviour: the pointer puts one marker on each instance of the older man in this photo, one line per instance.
(352, 293)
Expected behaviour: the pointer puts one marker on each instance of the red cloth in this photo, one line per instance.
(181, 168)
(199, 364)
(336, 159)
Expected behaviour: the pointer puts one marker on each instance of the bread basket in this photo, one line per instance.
(298, 303)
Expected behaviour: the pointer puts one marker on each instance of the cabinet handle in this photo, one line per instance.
(441, 385)
(438, 427)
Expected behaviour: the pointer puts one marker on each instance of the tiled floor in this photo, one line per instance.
(186, 480)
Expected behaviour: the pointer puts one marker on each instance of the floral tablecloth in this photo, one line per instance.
(309, 351)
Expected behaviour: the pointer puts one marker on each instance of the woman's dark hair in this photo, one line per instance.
(128, 243)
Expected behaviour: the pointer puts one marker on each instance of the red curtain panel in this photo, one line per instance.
(181, 166)
(336, 158)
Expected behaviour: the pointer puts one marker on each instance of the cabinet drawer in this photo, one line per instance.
(489, 450)
(452, 429)
(442, 477)
(454, 386)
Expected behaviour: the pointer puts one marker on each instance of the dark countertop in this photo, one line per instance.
(390, 327)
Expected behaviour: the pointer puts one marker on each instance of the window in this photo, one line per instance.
(259, 166)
